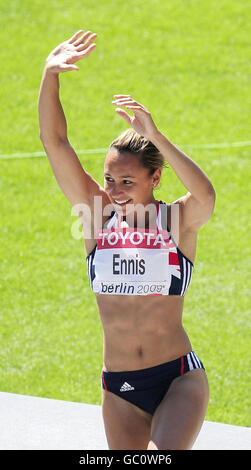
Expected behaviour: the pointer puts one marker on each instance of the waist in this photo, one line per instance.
(186, 362)
(142, 349)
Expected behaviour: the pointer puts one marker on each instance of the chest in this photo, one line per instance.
(136, 262)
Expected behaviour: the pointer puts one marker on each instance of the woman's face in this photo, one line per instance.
(127, 181)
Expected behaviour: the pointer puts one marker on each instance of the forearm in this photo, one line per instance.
(189, 173)
(53, 127)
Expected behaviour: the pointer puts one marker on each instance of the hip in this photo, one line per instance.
(146, 388)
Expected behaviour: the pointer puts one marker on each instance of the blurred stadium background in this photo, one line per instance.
(188, 61)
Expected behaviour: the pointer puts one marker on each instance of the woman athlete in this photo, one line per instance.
(155, 389)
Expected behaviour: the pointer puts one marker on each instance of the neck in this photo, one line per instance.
(145, 219)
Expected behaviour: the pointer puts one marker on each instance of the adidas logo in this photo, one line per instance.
(126, 387)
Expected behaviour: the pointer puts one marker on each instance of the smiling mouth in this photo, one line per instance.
(121, 203)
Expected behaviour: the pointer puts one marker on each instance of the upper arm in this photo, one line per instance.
(193, 213)
(80, 188)
(77, 185)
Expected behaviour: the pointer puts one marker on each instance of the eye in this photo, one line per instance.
(110, 180)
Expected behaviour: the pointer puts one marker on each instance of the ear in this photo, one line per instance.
(156, 177)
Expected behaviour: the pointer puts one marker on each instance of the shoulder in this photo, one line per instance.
(194, 213)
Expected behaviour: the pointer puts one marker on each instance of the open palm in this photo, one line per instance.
(64, 56)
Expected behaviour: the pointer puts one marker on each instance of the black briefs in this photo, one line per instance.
(147, 387)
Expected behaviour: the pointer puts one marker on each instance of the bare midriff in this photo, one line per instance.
(141, 331)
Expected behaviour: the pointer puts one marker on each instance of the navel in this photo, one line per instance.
(139, 351)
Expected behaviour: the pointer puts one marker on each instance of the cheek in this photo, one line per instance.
(142, 188)
(107, 187)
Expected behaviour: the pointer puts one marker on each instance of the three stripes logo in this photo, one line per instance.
(126, 387)
(193, 361)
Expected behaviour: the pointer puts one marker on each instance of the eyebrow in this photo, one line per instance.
(124, 176)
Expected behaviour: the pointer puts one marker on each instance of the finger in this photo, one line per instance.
(125, 96)
(131, 105)
(86, 52)
(84, 38)
(124, 101)
(68, 68)
(138, 108)
(85, 45)
(124, 115)
(75, 36)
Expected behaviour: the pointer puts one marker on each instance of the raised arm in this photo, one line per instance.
(197, 205)
(77, 185)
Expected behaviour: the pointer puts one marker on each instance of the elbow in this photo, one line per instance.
(43, 140)
(207, 195)
(41, 136)
(210, 199)
(206, 192)
(47, 143)
(50, 140)
(211, 193)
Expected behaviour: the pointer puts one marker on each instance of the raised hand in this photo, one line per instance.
(142, 121)
(64, 56)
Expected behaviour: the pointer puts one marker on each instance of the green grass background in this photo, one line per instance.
(189, 63)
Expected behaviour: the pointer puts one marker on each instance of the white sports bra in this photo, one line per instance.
(136, 261)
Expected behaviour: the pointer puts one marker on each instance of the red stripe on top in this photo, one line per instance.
(182, 365)
(173, 258)
(117, 237)
(134, 238)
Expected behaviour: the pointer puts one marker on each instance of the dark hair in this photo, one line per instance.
(131, 141)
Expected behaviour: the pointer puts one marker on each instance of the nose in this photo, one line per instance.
(117, 195)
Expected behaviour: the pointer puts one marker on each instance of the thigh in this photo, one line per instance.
(178, 419)
(126, 425)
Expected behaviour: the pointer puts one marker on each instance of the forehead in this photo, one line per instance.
(124, 163)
